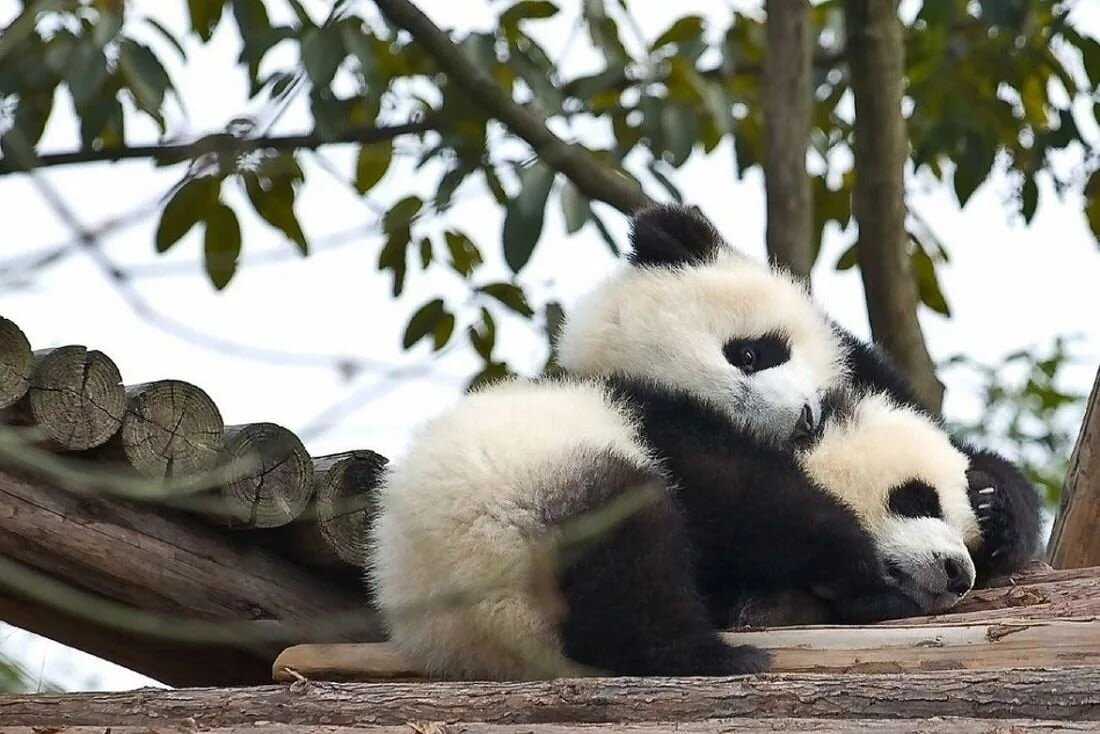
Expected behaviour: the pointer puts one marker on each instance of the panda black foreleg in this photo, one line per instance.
(1007, 508)
(632, 607)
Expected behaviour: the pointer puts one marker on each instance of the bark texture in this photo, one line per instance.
(1075, 540)
(876, 62)
(786, 92)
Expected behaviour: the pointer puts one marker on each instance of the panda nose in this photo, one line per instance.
(959, 576)
(806, 426)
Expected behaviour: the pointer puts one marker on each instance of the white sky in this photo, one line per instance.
(1010, 287)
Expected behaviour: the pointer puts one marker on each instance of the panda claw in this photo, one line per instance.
(996, 553)
(987, 490)
(985, 505)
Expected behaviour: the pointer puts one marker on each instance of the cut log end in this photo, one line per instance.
(332, 535)
(278, 476)
(171, 428)
(16, 363)
(76, 397)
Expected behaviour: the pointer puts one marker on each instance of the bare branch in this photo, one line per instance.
(223, 143)
(593, 179)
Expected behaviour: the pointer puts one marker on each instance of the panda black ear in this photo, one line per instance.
(671, 235)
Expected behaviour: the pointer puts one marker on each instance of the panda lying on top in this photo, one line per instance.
(708, 430)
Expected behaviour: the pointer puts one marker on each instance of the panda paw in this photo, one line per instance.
(746, 660)
(996, 519)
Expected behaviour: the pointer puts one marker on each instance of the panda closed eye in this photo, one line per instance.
(756, 355)
(915, 499)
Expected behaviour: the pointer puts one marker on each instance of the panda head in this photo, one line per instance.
(906, 482)
(692, 316)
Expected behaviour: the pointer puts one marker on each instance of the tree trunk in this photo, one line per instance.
(787, 109)
(876, 61)
(706, 726)
(1071, 694)
(1075, 540)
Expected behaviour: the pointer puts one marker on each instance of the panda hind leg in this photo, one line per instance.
(632, 604)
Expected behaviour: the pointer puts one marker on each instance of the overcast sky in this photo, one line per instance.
(1010, 286)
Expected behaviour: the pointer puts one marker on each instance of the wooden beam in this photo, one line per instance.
(1071, 694)
(167, 563)
(879, 649)
(172, 662)
(16, 363)
(278, 482)
(754, 725)
(1075, 539)
(76, 399)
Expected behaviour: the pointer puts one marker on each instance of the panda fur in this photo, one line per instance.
(1005, 502)
(476, 564)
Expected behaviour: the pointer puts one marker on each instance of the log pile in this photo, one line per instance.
(136, 526)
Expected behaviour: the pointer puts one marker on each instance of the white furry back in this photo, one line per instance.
(458, 517)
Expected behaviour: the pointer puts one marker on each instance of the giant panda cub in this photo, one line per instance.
(1006, 505)
(605, 522)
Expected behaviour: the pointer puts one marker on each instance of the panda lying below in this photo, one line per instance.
(708, 432)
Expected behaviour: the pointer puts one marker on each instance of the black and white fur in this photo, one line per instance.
(693, 372)
(1005, 503)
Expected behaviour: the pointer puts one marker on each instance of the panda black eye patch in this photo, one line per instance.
(757, 354)
(915, 499)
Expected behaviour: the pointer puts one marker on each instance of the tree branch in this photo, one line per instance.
(222, 143)
(876, 62)
(787, 108)
(592, 178)
(1075, 539)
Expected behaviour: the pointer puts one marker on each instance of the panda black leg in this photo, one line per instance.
(632, 607)
(1007, 508)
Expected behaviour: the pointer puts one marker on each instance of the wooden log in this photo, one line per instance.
(76, 399)
(16, 363)
(172, 662)
(172, 564)
(171, 429)
(754, 725)
(277, 480)
(877, 649)
(1075, 538)
(1061, 695)
(334, 533)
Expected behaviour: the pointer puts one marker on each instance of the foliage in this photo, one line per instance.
(989, 86)
(14, 678)
(1034, 419)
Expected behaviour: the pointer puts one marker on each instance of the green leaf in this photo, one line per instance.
(322, 52)
(493, 372)
(484, 339)
(401, 214)
(605, 234)
(575, 207)
(273, 199)
(425, 252)
(145, 76)
(1092, 204)
(604, 32)
(524, 10)
(684, 29)
(205, 15)
(168, 36)
(849, 258)
(510, 295)
(448, 184)
(423, 322)
(222, 244)
(393, 257)
(464, 254)
(441, 333)
(86, 72)
(1029, 198)
(372, 164)
(192, 202)
(524, 214)
(928, 287)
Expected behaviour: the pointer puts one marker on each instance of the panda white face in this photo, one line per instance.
(907, 483)
(733, 333)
